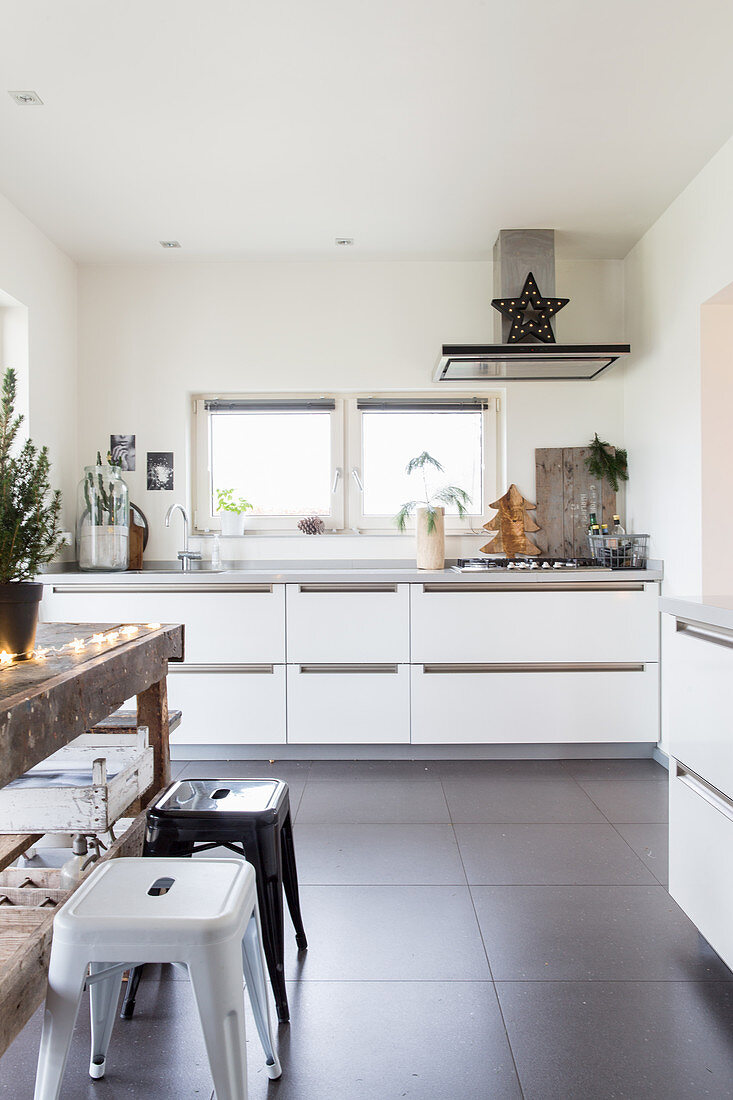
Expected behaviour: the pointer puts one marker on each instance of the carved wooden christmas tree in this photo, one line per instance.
(511, 524)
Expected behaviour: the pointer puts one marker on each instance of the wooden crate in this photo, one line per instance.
(84, 787)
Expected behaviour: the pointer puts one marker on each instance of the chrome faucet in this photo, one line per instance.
(185, 556)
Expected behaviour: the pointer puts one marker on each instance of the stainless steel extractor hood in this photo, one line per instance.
(524, 265)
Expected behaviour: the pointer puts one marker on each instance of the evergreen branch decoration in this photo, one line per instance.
(29, 510)
(607, 463)
(449, 495)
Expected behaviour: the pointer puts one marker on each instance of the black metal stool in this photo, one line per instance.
(252, 818)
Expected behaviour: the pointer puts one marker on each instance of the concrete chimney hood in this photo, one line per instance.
(517, 254)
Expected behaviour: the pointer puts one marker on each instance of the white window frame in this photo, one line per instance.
(346, 460)
(489, 404)
(205, 519)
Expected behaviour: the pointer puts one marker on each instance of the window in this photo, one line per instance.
(342, 458)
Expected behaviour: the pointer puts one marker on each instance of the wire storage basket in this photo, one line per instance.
(619, 551)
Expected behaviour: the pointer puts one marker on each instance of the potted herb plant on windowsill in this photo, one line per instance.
(430, 513)
(29, 528)
(231, 511)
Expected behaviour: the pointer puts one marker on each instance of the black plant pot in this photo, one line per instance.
(19, 602)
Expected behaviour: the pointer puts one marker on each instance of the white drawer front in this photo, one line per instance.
(700, 845)
(460, 623)
(330, 704)
(237, 707)
(233, 624)
(698, 670)
(458, 705)
(350, 623)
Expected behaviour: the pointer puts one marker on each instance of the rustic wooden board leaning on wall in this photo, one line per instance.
(562, 480)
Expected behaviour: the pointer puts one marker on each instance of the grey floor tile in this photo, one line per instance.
(616, 769)
(555, 855)
(651, 843)
(499, 769)
(374, 801)
(495, 799)
(621, 1040)
(386, 1040)
(631, 801)
(397, 770)
(160, 1053)
(579, 933)
(388, 933)
(287, 770)
(398, 855)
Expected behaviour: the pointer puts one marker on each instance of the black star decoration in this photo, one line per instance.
(530, 313)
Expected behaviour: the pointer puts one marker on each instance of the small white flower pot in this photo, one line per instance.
(232, 524)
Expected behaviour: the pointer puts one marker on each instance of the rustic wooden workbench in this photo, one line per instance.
(44, 704)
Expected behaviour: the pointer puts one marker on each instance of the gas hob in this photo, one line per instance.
(524, 564)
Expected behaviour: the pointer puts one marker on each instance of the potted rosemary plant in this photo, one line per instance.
(430, 513)
(29, 527)
(231, 511)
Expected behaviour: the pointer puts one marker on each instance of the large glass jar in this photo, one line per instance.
(103, 520)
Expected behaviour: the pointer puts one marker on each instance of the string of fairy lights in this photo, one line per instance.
(95, 642)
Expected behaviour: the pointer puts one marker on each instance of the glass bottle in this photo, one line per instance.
(103, 520)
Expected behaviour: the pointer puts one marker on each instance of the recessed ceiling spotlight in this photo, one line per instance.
(170, 244)
(344, 242)
(26, 99)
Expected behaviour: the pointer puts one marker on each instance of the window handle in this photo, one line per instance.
(336, 478)
(357, 479)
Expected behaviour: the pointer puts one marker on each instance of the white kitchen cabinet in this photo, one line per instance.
(588, 621)
(349, 623)
(698, 671)
(700, 845)
(231, 623)
(348, 704)
(520, 704)
(228, 705)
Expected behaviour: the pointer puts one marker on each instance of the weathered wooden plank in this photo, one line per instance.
(124, 720)
(548, 467)
(13, 845)
(152, 711)
(39, 718)
(24, 897)
(35, 877)
(23, 973)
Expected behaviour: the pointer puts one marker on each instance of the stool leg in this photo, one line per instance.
(216, 977)
(290, 881)
(254, 977)
(133, 981)
(66, 973)
(103, 997)
(270, 901)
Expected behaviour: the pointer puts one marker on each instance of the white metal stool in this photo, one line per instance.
(202, 913)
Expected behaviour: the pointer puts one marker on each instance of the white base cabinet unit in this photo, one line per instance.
(534, 704)
(224, 623)
(228, 704)
(332, 704)
(349, 623)
(557, 621)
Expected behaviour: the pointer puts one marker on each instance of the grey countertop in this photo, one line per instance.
(711, 610)
(338, 572)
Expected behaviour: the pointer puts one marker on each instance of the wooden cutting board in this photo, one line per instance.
(562, 483)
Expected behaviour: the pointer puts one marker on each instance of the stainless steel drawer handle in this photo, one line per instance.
(326, 589)
(209, 669)
(562, 666)
(712, 795)
(716, 635)
(349, 670)
(138, 589)
(534, 586)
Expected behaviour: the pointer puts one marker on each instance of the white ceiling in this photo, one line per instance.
(420, 127)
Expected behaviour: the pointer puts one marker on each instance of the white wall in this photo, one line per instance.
(151, 335)
(684, 259)
(36, 274)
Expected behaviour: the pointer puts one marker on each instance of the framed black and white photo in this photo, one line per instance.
(160, 470)
(122, 449)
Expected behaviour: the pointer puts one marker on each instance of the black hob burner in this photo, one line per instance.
(524, 564)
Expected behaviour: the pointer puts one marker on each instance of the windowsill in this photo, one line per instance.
(330, 534)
